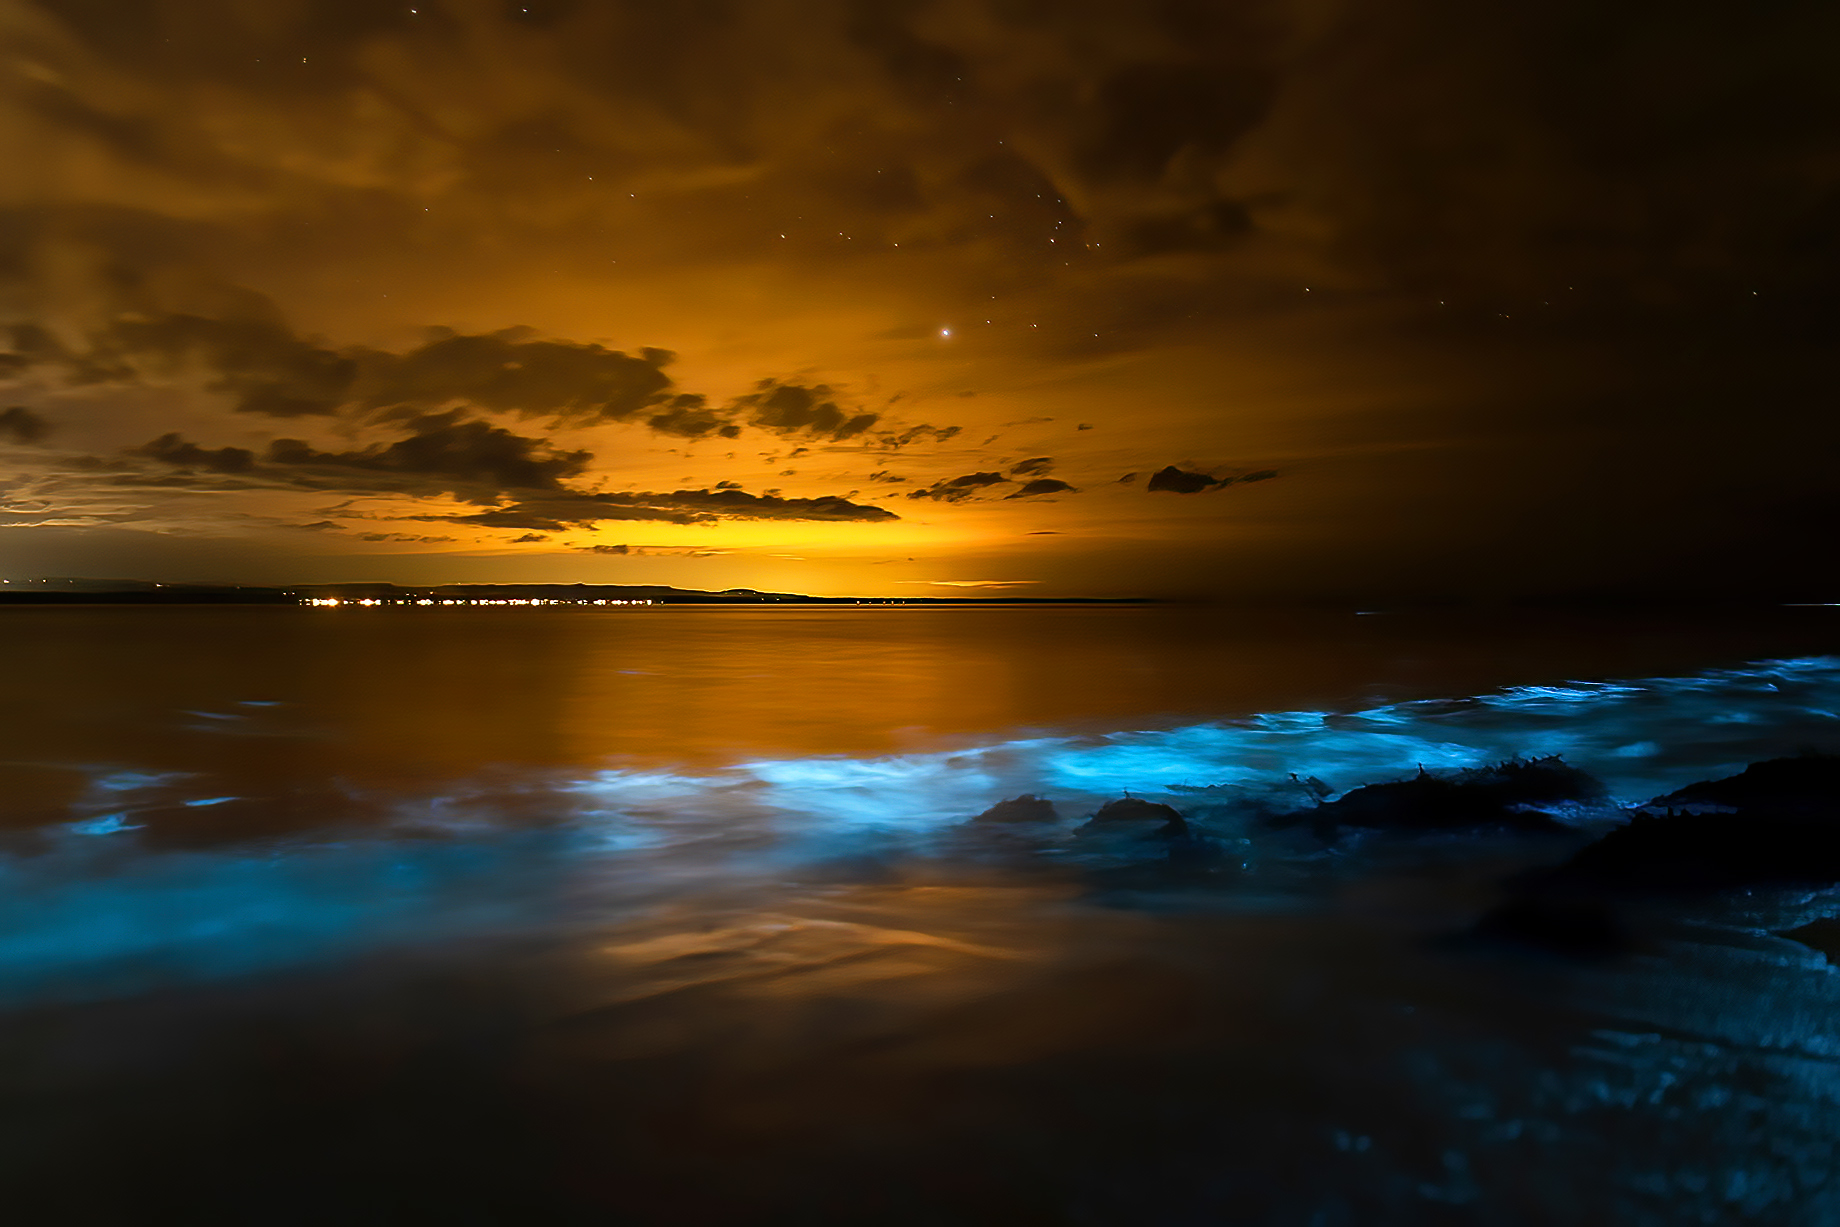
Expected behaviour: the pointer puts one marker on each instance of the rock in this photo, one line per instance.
(1804, 787)
(1702, 852)
(1500, 795)
(1262, 800)
(1026, 808)
(1134, 816)
(1821, 935)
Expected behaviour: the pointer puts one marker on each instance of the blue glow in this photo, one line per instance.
(109, 824)
(95, 903)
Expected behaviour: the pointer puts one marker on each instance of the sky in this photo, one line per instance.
(1316, 299)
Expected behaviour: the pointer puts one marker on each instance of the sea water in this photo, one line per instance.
(674, 915)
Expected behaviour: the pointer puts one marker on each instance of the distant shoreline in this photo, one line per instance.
(449, 596)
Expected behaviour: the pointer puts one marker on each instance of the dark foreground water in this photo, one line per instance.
(672, 916)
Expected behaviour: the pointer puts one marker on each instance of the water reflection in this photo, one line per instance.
(269, 699)
(948, 1046)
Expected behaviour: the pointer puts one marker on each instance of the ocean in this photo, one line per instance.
(678, 915)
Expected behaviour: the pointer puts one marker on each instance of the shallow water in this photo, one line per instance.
(671, 915)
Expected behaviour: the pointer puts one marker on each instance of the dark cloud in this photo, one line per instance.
(567, 382)
(740, 505)
(1181, 481)
(883, 475)
(267, 369)
(172, 449)
(650, 551)
(259, 361)
(528, 538)
(688, 416)
(958, 489)
(445, 453)
(252, 356)
(474, 460)
(19, 424)
(555, 511)
(511, 517)
(1039, 466)
(789, 408)
(1522, 142)
(1043, 485)
(920, 433)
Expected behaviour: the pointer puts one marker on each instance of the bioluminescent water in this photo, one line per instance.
(677, 915)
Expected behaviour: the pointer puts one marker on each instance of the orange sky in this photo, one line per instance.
(1482, 303)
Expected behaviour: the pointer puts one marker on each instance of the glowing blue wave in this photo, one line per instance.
(96, 909)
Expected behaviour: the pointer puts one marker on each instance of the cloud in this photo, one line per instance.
(883, 475)
(510, 517)
(970, 583)
(920, 433)
(788, 408)
(482, 463)
(251, 355)
(1181, 481)
(551, 512)
(1039, 466)
(1043, 485)
(570, 383)
(651, 551)
(19, 424)
(958, 489)
(443, 453)
(174, 450)
(259, 362)
(738, 504)
(528, 538)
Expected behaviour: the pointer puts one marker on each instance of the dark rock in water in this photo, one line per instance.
(1473, 797)
(1698, 852)
(1821, 935)
(1131, 814)
(1262, 800)
(1026, 808)
(1805, 787)
(1576, 928)
(1778, 824)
